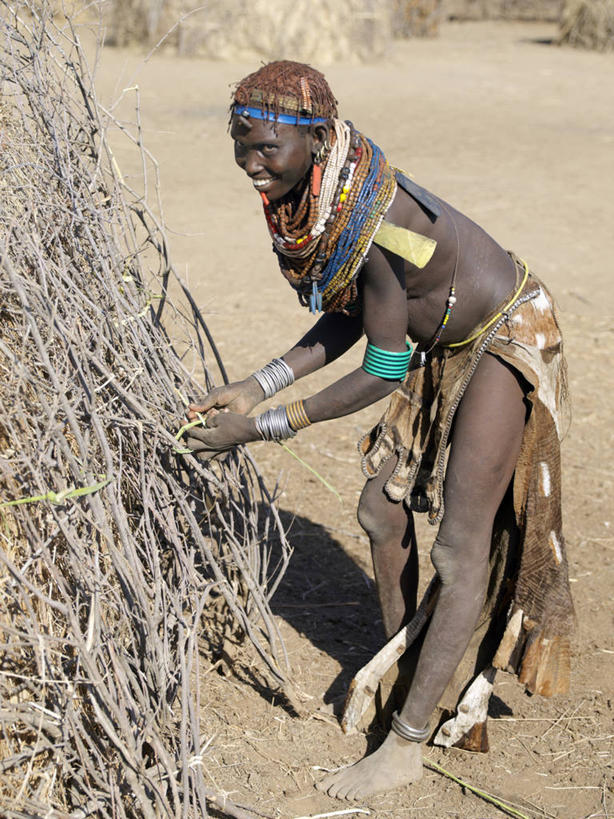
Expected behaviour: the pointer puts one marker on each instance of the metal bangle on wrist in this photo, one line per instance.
(282, 422)
(274, 376)
(273, 425)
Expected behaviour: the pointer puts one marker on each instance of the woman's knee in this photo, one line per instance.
(461, 560)
(380, 517)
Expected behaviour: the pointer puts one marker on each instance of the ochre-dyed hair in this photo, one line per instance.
(287, 87)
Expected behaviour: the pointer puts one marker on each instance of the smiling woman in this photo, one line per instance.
(475, 410)
(274, 156)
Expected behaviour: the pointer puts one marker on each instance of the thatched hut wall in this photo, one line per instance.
(588, 24)
(545, 10)
(417, 18)
(125, 561)
(319, 31)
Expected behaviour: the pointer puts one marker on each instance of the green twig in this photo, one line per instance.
(482, 794)
(200, 421)
(311, 469)
(60, 497)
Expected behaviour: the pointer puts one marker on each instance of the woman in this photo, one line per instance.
(480, 382)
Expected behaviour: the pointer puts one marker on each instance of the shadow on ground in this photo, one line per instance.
(329, 599)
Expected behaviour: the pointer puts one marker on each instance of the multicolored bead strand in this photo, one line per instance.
(450, 302)
(321, 241)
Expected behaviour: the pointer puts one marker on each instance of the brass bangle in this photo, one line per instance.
(297, 417)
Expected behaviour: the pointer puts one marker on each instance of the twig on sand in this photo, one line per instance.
(488, 797)
(230, 808)
(345, 812)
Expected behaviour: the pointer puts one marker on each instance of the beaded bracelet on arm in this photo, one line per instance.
(275, 376)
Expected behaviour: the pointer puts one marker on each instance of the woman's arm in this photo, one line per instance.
(330, 337)
(384, 320)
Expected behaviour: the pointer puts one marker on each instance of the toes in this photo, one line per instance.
(329, 784)
(335, 785)
(340, 792)
(353, 793)
(324, 784)
(336, 790)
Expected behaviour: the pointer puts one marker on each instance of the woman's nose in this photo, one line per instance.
(252, 164)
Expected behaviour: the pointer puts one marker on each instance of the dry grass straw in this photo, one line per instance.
(588, 24)
(123, 561)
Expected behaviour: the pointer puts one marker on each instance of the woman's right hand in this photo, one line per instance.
(240, 397)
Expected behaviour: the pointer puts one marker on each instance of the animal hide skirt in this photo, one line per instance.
(528, 615)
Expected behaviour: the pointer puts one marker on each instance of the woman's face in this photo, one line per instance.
(274, 156)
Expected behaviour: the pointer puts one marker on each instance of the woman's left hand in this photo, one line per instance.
(223, 431)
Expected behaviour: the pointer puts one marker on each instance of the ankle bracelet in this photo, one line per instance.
(405, 731)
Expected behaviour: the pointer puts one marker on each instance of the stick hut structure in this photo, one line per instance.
(123, 559)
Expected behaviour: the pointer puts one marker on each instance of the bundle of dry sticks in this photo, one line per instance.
(122, 561)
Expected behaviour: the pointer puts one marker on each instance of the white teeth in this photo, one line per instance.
(259, 183)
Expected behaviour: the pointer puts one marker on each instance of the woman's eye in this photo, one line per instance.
(269, 148)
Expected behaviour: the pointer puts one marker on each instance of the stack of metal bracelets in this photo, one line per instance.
(385, 364)
(276, 376)
(282, 422)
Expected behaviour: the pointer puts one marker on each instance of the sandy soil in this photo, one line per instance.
(519, 135)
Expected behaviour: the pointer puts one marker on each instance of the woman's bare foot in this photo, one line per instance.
(395, 763)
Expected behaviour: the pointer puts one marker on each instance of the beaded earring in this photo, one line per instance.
(316, 178)
(316, 174)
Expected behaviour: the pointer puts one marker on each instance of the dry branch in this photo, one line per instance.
(364, 685)
(121, 561)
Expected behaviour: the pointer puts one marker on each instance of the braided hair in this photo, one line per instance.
(287, 87)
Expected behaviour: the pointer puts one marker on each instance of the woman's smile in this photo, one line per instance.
(275, 156)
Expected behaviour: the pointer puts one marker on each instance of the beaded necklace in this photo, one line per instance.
(322, 239)
(450, 301)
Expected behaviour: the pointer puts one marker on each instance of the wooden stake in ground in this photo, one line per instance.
(364, 685)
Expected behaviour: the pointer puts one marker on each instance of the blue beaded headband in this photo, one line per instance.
(285, 119)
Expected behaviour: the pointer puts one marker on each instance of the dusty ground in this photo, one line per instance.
(519, 135)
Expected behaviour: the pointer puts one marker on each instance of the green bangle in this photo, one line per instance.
(386, 364)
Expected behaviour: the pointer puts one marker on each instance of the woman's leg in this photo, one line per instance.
(390, 527)
(487, 436)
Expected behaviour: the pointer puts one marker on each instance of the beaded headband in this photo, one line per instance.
(285, 119)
